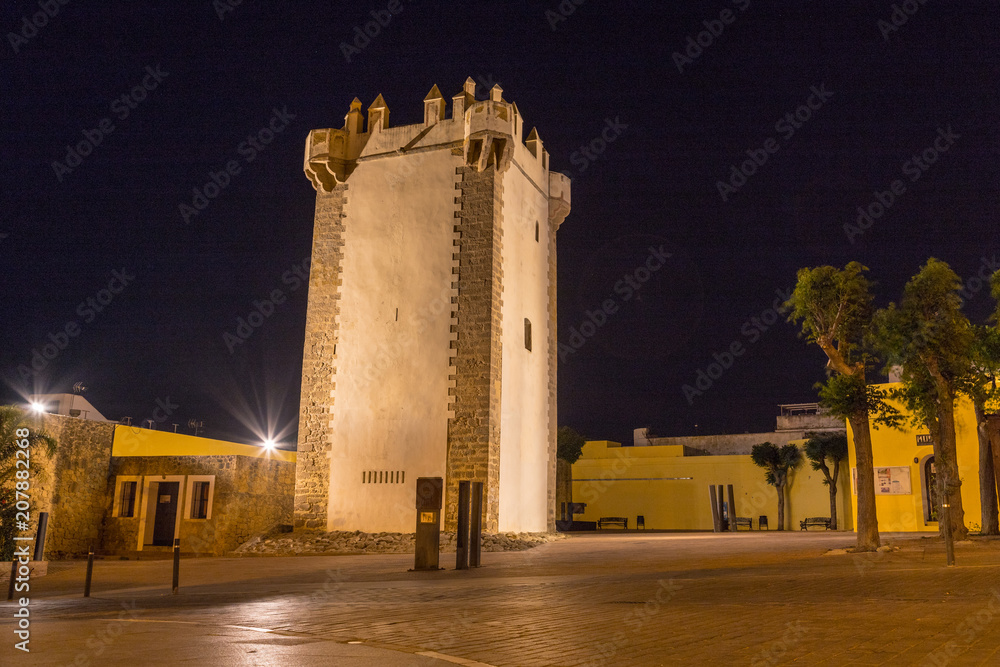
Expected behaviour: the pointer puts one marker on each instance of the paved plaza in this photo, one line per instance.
(593, 599)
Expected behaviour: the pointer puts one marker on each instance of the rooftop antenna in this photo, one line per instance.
(127, 421)
(79, 388)
(150, 424)
(196, 424)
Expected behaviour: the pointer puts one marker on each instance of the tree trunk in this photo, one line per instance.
(867, 527)
(987, 479)
(947, 465)
(833, 507)
(781, 506)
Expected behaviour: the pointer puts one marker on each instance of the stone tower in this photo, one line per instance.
(430, 347)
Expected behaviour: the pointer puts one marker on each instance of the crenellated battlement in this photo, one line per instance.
(488, 132)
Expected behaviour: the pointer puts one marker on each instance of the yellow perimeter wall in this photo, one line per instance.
(628, 481)
(133, 441)
(892, 447)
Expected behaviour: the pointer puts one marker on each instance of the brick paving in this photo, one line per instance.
(608, 599)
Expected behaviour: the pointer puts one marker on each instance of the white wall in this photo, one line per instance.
(524, 396)
(391, 401)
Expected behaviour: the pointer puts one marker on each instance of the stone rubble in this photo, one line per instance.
(357, 542)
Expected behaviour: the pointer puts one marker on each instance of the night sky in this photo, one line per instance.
(646, 136)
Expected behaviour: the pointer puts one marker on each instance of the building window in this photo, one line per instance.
(200, 496)
(199, 500)
(126, 498)
(527, 334)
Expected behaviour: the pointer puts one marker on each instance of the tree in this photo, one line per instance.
(832, 447)
(569, 444)
(981, 388)
(17, 427)
(569, 447)
(932, 341)
(778, 461)
(835, 308)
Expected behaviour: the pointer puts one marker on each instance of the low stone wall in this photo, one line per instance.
(74, 491)
(347, 542)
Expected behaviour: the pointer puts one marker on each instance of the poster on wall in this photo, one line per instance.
(890, 481)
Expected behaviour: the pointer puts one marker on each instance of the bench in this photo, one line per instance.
(612, 521)
(744, 521)
(815, 521)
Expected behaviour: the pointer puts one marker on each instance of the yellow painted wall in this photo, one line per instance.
(898, 447)
(133, 441)
(672, 491)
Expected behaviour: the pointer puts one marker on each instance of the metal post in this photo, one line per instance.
(177, 564)
(716, 522)
(43, 524)
(13, 572)
(476, 525)
(722, 508)
(732, 508)
(90, 572)
(462, 539)
(949, 539)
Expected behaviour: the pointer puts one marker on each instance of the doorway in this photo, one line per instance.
(165, 517)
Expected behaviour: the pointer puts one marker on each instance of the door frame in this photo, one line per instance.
(146, 520)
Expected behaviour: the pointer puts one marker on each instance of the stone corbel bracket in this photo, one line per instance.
(559, 198)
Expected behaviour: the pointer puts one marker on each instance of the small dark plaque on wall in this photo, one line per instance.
(924, 439)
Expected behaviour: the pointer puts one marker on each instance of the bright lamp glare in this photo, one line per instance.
(269, 444)
(37, 407)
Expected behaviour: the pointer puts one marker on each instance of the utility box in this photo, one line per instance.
(430, 492)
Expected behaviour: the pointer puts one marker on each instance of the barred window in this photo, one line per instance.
(126, 499)
(199, 500)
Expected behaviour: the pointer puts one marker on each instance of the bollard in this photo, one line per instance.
(43, 524)
(476, 525)
(732, 508)
(13, 571)
(177, 563)
(90, 572)
(427, 551)
(716, 520)
(462, 538)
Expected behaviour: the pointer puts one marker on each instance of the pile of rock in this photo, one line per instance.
(357, 542)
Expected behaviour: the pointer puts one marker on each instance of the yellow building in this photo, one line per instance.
(904, 473)
(669, 488)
